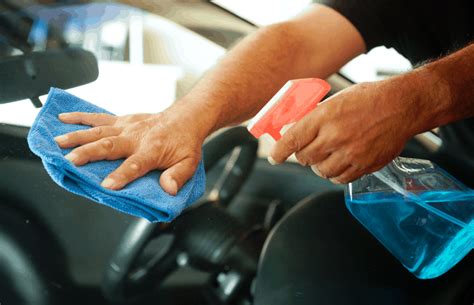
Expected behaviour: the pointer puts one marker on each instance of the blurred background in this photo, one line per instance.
(151, 52)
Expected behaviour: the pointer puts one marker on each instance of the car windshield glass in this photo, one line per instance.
(115, 35)
(26, 27)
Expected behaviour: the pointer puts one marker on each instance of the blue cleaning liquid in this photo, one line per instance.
(428, 232)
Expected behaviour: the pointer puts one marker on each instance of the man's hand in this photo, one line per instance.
(353, 133)
(167, 141)
(362, 128)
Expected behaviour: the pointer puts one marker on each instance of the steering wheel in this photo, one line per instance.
(204, 234)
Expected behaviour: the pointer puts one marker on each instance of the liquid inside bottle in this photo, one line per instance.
(427, 223)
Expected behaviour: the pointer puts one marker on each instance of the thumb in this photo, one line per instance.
(175, 177)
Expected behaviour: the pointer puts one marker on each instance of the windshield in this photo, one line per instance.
(115, 35)
(29, 26)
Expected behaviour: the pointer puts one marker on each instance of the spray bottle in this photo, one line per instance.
(418, 211)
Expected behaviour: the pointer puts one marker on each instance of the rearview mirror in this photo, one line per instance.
(32, 75)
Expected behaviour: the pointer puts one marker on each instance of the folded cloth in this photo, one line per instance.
(144, 197)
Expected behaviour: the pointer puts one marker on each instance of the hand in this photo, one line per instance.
(353, 133)
(169, 141)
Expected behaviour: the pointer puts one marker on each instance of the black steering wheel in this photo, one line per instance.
(203, 235)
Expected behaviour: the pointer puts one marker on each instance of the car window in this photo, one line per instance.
(141, 56)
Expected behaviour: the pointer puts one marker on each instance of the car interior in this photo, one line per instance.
(60, 248)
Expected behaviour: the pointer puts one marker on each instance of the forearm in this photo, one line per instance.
(315, 44)
(246, 78)
(457, 72)
(443, 89)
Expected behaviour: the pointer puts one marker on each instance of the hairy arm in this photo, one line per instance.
(451, 98)
(315, 44)
(362, 128)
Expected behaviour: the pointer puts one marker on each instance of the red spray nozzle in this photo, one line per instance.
(291, 103)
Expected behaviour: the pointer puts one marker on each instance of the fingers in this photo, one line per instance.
(89, 119)
(110, 148)
(350, 174)
(82, 137)
(175, 177)
(313, 153)
(296, 138)
(331, 167)
(136, 166)
(131, 169)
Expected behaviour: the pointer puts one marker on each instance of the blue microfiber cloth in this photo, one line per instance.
(144, 197)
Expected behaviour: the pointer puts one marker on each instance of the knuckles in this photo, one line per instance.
(98, 131)
(292, 142)
(302, 159)
(136, 165)
(107, 144)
